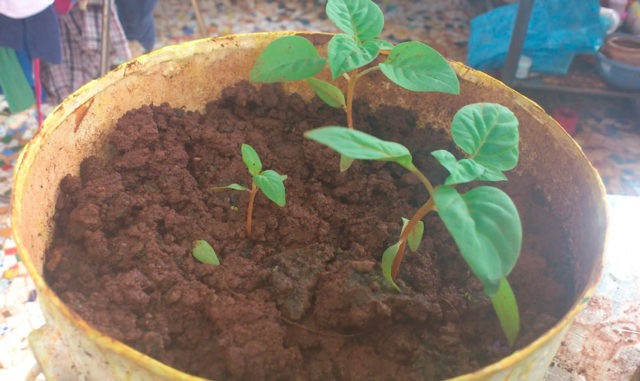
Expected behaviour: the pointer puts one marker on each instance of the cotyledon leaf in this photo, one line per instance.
(203, 252)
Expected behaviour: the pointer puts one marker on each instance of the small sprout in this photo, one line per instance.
(270, 182)
(483, 222)
(388, 258)
(203, 252)
(415, 237)
(233, 186)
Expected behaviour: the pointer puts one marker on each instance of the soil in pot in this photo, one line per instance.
(303, 298)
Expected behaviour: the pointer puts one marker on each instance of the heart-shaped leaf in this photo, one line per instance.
(506, 307)
(360, 18)
(288, 58)
(271, 184)
(388, 257)
(329, 93)
(346, 54)
(203, 252)
(418, 67)
(488, 133)
(415, 237)
(461, 171)
(360, 145)
(251, 159)
(485, 225)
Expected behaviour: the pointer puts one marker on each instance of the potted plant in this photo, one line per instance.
(552, 174)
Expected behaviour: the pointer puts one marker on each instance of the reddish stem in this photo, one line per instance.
(252, 197)
(417, 217)
(351, 89)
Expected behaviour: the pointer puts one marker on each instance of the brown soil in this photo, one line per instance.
(303, 298)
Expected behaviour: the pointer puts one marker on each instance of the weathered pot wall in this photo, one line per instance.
(191, 74)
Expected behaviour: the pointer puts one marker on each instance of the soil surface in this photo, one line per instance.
(303, 297)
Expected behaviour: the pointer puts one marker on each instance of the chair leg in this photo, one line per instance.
(105, 49)
(199, 20)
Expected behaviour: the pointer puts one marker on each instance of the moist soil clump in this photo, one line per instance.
(302, 298)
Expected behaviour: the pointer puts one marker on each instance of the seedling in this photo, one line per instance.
(412, 65)
(483, 222)
(203, 252)
(270, 182)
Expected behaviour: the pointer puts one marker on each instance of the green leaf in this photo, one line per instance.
(492, 174)
(251, 159)
(415, 237)
(288, 58)
(233, 186)
(488, 133)
(461, 171)
(387, 264)
(418, 67)
(360, 18)
(346, 54)
(345, 163)
(360, 145)
(506, 307)
(271, 184)
(485, 225)
(329, 93)
(382, 44)
(203, 252)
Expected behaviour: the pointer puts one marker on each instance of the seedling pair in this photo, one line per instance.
(270, 182)
(483, 222)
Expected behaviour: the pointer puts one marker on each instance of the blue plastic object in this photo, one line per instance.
(619, 74)
(558, 29)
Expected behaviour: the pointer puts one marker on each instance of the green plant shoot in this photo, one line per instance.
(270, 182)
(352, 55)
(483, 222)
(203, 252)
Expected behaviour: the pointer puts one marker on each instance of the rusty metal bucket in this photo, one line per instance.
(191, 74)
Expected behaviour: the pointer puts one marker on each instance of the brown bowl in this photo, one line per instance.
(624, 48)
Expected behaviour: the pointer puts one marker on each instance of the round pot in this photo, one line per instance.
(191, 74)
(624, 48)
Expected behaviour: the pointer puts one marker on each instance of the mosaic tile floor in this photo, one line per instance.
(608, 130)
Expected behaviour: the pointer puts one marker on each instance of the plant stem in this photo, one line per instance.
(417, 216)
(367, 71)
(351, 89)
(423, 179)
(252, 197)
